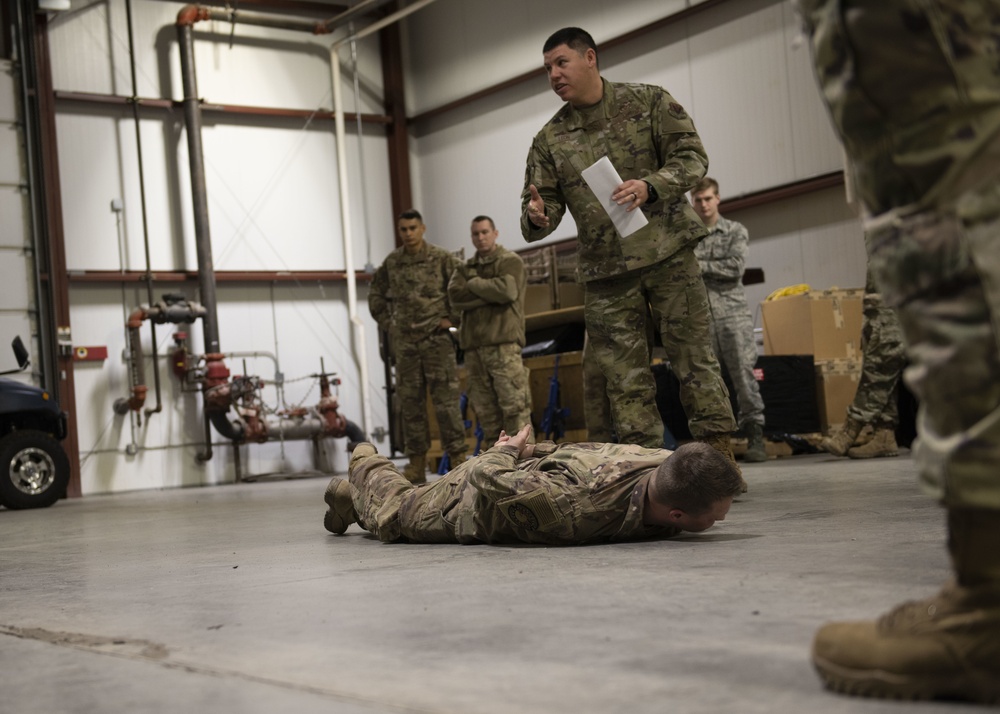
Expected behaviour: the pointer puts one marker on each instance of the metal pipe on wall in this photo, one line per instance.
(199, 190)
(142, 202)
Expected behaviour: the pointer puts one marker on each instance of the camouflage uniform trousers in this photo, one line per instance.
(596, 405)
(733, 342)
(393, 509)
(498, 389)
(615, 311)
(883, 357)
(429, 364)
(934, 244)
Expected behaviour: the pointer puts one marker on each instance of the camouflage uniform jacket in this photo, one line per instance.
(409, 293)
(647, 135)
(722, 257)
(565, 494)
(489, 290)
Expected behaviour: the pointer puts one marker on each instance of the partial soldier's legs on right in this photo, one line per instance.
(882, 361)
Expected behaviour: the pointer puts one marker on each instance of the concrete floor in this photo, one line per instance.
(235, 599)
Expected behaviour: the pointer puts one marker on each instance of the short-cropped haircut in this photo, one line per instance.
(694, 478)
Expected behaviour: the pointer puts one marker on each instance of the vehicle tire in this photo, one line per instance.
(34, 470)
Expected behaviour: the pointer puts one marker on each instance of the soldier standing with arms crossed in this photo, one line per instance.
(652, 142)
(489, 291)
(409, 300)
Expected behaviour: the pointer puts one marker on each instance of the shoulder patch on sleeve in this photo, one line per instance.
(529, 511)
(677, 111)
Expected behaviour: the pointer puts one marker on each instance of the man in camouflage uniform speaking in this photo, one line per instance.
(409, 300)
(518, 492)
(914, 90)
(489, 290)
(722, 258)
(652, 142)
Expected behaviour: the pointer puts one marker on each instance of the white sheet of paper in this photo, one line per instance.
(603, 179)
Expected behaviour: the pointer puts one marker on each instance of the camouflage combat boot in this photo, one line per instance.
(883, 443)
(722, 443)
(839, 442)
(341, 512)
(756, 451)
(338, 497)
(944, 647)
(416, 471)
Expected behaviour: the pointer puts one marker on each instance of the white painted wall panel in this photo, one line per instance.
(457, 47)
(474, 164)
(8, 93)
(273, 199)
(13, 217)
(741, 94)
(815, 147)
(10, 154)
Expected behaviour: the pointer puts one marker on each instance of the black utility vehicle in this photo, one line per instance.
(34, 468)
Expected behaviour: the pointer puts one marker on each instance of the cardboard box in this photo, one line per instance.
(825, 324)
(836, 383)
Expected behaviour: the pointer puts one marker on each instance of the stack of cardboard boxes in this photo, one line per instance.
(827, 325)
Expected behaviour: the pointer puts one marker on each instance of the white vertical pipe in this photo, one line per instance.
(360, 344)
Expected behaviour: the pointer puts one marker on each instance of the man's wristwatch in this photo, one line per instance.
(653, 196)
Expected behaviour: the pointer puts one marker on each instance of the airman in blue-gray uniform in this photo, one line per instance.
(913, 87)
(650, 139)
(519, 492)
(722, 257)
(409, 300)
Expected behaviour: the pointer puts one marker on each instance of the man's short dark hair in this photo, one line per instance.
(694, 478)
(485, 218)
(409, 214)
(573, 37)
(706, 184)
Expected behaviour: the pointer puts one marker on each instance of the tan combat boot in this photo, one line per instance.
(341, 512)
(883, 443)
(839, 442)
(944, 647)
(722, 443)
(416, 471)
(756, 451)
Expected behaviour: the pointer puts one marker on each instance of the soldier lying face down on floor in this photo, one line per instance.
(517, 492)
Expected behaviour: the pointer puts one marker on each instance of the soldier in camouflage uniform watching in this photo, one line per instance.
(722, 257)
(652, 142)
(489, 292)
(876, 400)
(914, 89)
(409, 300)
(518, 492)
